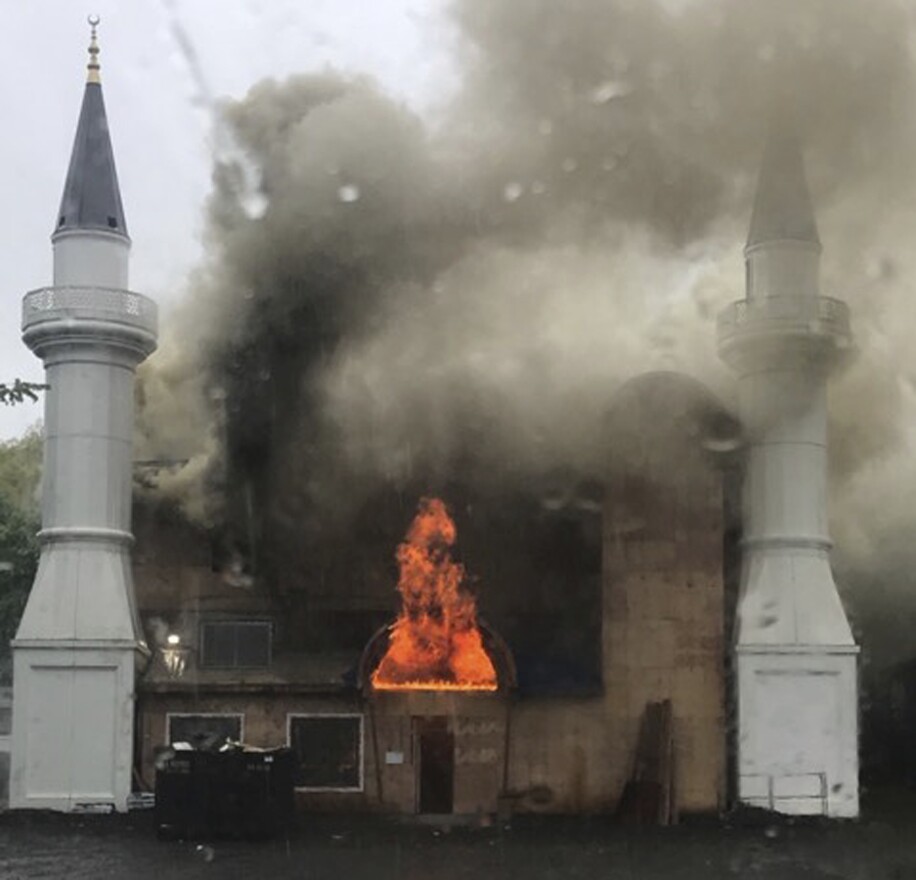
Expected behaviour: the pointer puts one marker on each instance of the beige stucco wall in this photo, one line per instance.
(664, 624)
(663, 638)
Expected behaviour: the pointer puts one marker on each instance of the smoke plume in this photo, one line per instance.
(414, 293)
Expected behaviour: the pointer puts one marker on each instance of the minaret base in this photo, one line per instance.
(798, 729)
(73, 714)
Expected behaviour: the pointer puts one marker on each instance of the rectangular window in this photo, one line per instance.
(329, 751)
(204, 730)
(235, 644)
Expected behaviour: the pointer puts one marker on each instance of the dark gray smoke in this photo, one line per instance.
(410, 296)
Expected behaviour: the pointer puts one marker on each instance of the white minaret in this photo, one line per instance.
(795, 654)
(76, 653)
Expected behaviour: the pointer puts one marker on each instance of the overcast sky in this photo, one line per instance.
(160, 120)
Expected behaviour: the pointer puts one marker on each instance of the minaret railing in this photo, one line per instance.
(818, 315)
(89, 303)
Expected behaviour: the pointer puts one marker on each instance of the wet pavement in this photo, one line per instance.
(35, 846)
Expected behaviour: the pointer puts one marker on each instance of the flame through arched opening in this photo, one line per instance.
(435, 644)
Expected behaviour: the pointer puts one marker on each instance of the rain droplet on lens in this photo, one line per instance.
(608, 90)
(569, 164)
(513, 191)
(254, 204)
(349, 192)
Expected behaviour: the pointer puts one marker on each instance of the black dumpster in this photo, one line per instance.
(231, 793)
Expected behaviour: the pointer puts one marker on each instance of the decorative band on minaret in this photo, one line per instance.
(795, 654)
(76, 653)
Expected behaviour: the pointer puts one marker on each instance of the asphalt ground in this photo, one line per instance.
(882, 846)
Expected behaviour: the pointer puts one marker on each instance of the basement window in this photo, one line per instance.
(235, 644)
(204, 730)
(329, 751)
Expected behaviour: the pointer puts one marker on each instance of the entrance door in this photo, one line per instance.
(437, 765)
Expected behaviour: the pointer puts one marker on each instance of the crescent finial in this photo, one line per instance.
(93, 65)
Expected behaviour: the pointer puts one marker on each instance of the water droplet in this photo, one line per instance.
(538, 188)
(254, 204)
(349, 192)
(569, 164)
(608, 90)
(513, 191)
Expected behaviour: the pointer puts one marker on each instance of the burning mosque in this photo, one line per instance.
(605, 587)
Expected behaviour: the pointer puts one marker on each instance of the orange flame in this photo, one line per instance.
(435, 643)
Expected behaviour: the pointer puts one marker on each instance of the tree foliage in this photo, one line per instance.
(20, 472)
(19, 391)
(18, 562)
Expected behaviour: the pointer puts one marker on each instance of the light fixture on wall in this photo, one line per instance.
(174, 656)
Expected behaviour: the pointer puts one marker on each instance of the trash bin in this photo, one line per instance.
(230, 793)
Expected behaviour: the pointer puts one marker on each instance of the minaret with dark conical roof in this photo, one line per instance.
(90, 237)
(77, 648)
(92, 197)
(794, 650)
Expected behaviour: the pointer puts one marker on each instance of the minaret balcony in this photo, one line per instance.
(64, 312)
(782, 324)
